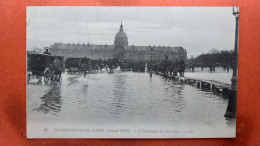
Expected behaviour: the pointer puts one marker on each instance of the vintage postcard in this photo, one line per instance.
(131, 72)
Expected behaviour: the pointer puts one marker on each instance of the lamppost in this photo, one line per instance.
(172, 57)
(234, 76)
(151, 57)
(172, 64)
(165, 63)
(139, 61)
(231, 109)
(151, 65)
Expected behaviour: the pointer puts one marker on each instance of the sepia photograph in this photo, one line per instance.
(131, 72)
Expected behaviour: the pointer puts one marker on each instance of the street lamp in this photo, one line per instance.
(234, 76)
(139, 60)
(151, 65)
(165, 63)
(151, 57)
(231, 109)
(172, 57)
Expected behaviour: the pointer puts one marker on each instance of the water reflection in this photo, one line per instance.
(51, 102)
(119, 95)
(131, 98)
(174, 99)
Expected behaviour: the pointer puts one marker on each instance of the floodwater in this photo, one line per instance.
(219, 75)
(125, 98)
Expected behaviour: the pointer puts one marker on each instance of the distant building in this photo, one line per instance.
(120, 49)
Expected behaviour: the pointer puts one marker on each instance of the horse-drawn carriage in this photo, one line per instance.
(38, 65)
(85, 64)
(73, 65)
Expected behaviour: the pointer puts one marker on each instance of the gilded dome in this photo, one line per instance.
(121, 37)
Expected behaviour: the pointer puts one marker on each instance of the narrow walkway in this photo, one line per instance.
(203, 84)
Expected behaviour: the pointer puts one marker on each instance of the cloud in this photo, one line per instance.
(196, 29)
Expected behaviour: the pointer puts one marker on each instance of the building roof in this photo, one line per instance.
(111, 47)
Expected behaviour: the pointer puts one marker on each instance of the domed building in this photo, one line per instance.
(120, 44)
(119, 50)
(121, 37)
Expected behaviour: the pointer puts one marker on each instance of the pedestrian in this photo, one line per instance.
(192, 67)
(47, 52)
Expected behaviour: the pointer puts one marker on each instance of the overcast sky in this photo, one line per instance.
(198, 30)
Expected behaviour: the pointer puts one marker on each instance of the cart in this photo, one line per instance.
(38, 65)
(85, 64)
(73, 65)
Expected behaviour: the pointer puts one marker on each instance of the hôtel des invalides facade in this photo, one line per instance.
(120, 49)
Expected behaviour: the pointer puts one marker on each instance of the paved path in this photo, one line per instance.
(219, 77)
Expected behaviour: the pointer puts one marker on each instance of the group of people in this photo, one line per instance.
(177, 66)
(170, 67)
(166, 66)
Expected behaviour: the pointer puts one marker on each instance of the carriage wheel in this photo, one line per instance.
(54, 79)
(47, 74)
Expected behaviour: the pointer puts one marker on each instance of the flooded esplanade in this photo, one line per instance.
(124, 98)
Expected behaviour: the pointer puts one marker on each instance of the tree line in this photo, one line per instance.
(214, 59)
